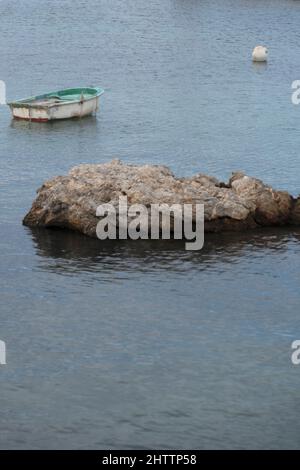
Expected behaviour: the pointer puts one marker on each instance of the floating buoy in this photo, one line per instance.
(260, 54)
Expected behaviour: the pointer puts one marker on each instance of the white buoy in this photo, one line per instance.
(260, 54)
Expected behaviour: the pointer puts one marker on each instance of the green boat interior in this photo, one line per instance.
(59, 97)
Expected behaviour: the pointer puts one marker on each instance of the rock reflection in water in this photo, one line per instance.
(76, 252)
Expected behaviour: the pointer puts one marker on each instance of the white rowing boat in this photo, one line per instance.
(62, 104)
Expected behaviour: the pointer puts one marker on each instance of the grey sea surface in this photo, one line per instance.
(143, 344)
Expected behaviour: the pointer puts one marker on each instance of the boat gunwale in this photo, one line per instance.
(23, 103)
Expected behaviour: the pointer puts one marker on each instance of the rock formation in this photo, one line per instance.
(241, 204)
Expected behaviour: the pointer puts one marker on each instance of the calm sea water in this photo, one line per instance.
(145, 345)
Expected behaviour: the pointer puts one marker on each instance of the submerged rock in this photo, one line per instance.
(244, 202)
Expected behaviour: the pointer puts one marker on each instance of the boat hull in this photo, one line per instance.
(59, 111)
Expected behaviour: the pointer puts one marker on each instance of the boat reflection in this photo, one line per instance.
(60, 125)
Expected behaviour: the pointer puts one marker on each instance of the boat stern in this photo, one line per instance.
(29, 113)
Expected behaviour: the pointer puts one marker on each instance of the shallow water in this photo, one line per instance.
(145, 345)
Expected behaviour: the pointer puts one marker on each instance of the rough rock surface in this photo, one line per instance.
(71, 201)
